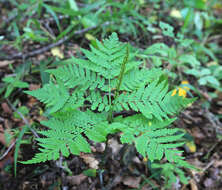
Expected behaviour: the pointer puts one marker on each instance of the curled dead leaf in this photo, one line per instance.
(90, 160)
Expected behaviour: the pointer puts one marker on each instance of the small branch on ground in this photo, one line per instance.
(8, 150)
(23, 118)
(21, 55)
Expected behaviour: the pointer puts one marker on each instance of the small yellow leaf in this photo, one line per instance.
(40, 111)
(182, 91)
(145, 159)
(190, 147)
(57, 52)
(174, 92)
(185, 82)
(175, 13)
(90, 37)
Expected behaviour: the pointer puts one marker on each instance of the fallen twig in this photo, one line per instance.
(208, 166)
(8, 150)
(23, 118)
(35, 52)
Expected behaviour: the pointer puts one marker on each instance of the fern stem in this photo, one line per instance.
(120, 78)
(123, 67)
(110, 103)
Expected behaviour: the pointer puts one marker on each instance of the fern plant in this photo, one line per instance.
(82, 98)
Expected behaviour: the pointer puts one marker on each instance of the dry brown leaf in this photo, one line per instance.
(5, 63)
(115, 146)
(41, 57)
(146, 187)
(218, 163)
(34, 86)
(7, 124)
(133, 182)
(32, 101)
(193, 185)
(76, 179)
(2, 136)
(6, 108)
(90, 160)
(2, 139)
(149, 187)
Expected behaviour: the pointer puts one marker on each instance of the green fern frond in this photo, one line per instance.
(152, 138)
(65, 135)
(75, 101)
(137, 78)
(107, 58)
(153, 100)
(54, 96)
(157, 140)
(98, 101)
(74, 76)
(170, 172)
(109, 79)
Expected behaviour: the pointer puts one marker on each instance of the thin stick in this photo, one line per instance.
(208, 166)
(23, 118)
(46, 48)
(8, 150)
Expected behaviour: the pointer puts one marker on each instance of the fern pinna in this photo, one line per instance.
(84, 96)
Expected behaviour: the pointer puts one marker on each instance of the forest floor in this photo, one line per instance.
(122, 167)
(111, 165)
